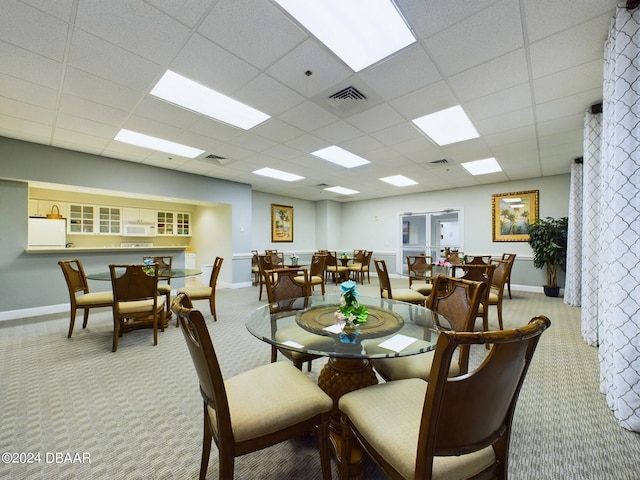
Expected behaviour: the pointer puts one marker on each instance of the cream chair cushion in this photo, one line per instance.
(196, 292)
(260, 401)
(164, 288)
(92, 298)
(395, 433)
(137, 306)
(423, 288)
(406, 295)
(410, 366)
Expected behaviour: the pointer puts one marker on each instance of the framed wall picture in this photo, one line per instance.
(281, 223)
(512, 213)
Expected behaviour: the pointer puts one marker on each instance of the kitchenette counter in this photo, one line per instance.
(70, 250)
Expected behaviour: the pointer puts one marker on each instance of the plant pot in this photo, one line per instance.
(551, 291)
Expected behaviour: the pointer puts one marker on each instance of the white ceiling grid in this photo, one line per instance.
(74, 72)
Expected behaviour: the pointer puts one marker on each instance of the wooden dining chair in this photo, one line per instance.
(206, 292)
(403, 294)
(165, 264)
(335, 267)
(360, 265)
(264, 265)
(510, 257)
(79, 294)
(498, 282)
(478, 273)
(254, 409)
(454, 304)
(136, 300)
(454, 428)
(316, 272)
(420, 270)
(283, 288)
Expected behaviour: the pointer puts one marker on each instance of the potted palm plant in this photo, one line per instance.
(548, 239)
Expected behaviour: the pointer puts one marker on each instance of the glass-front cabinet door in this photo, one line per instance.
(166, 223)
(183, 224)
(81, 219)
(109, 220)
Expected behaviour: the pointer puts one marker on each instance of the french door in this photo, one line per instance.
(429, 233)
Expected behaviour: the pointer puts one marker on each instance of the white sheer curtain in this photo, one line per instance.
(619, 226)
(573, 268)
(591, 238)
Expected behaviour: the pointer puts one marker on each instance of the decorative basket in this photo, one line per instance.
(55, 215)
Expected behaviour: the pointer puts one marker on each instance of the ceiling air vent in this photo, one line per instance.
(436, 163)
(217, 159)
(349, 93)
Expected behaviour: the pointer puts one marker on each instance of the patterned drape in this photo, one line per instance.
(591, 238)
(573, 268)
(619, 228)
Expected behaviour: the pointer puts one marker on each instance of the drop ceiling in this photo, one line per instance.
(75, 72)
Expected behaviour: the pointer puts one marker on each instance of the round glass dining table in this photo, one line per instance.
(308, 325)
(173, 273)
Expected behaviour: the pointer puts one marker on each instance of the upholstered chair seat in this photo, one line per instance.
(395, 436)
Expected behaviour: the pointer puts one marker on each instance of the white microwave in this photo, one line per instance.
(139, 229)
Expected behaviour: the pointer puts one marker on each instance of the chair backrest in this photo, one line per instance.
(509, 257)
(74, 276)
(134, 282)
(383, 277)
(477, 273)
(205, 361)
(501, 273)
(449, 426)
(264, 264)
(215, 271)
(283, 290)
(419, 266)
(477, 259)
(367, 258)
(332, 259)
(456, 301)
(318, 265)
(254, 258)
(359, 256)
(277, 258)
(164, 266)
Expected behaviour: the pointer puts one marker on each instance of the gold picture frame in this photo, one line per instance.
(512, 213)
(281, 223)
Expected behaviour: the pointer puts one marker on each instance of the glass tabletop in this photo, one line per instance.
(175, 273)
(308, 325)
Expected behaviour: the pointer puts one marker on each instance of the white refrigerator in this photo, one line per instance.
(47, 233)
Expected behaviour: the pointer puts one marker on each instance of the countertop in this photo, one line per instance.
(69, 250)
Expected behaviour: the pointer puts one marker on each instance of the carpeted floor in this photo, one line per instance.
(137, 413)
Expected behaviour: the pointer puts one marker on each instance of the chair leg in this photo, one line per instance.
(509, 286)
(345, 454)
(116, 334)
(323, 446)
(212, 305)
(72, 322)
(499, 305)
(206, 446)
(86, 318)
(274, 354)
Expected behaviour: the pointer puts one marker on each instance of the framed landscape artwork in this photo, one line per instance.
(512, 213)
(281, 223)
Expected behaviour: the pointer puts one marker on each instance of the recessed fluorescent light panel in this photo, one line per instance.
(399, 181)
(481, 167)
(154, 143)
(360, 32)
(447, 126)
(341, 190)
(340, 156)
(277, 174)
(186, 93)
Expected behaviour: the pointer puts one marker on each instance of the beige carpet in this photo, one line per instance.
(137, 413)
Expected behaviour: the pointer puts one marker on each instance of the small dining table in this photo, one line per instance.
(392, 329)
(173, 273)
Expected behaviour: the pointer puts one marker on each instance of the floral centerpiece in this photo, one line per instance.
(294, 259)
(350, 311)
